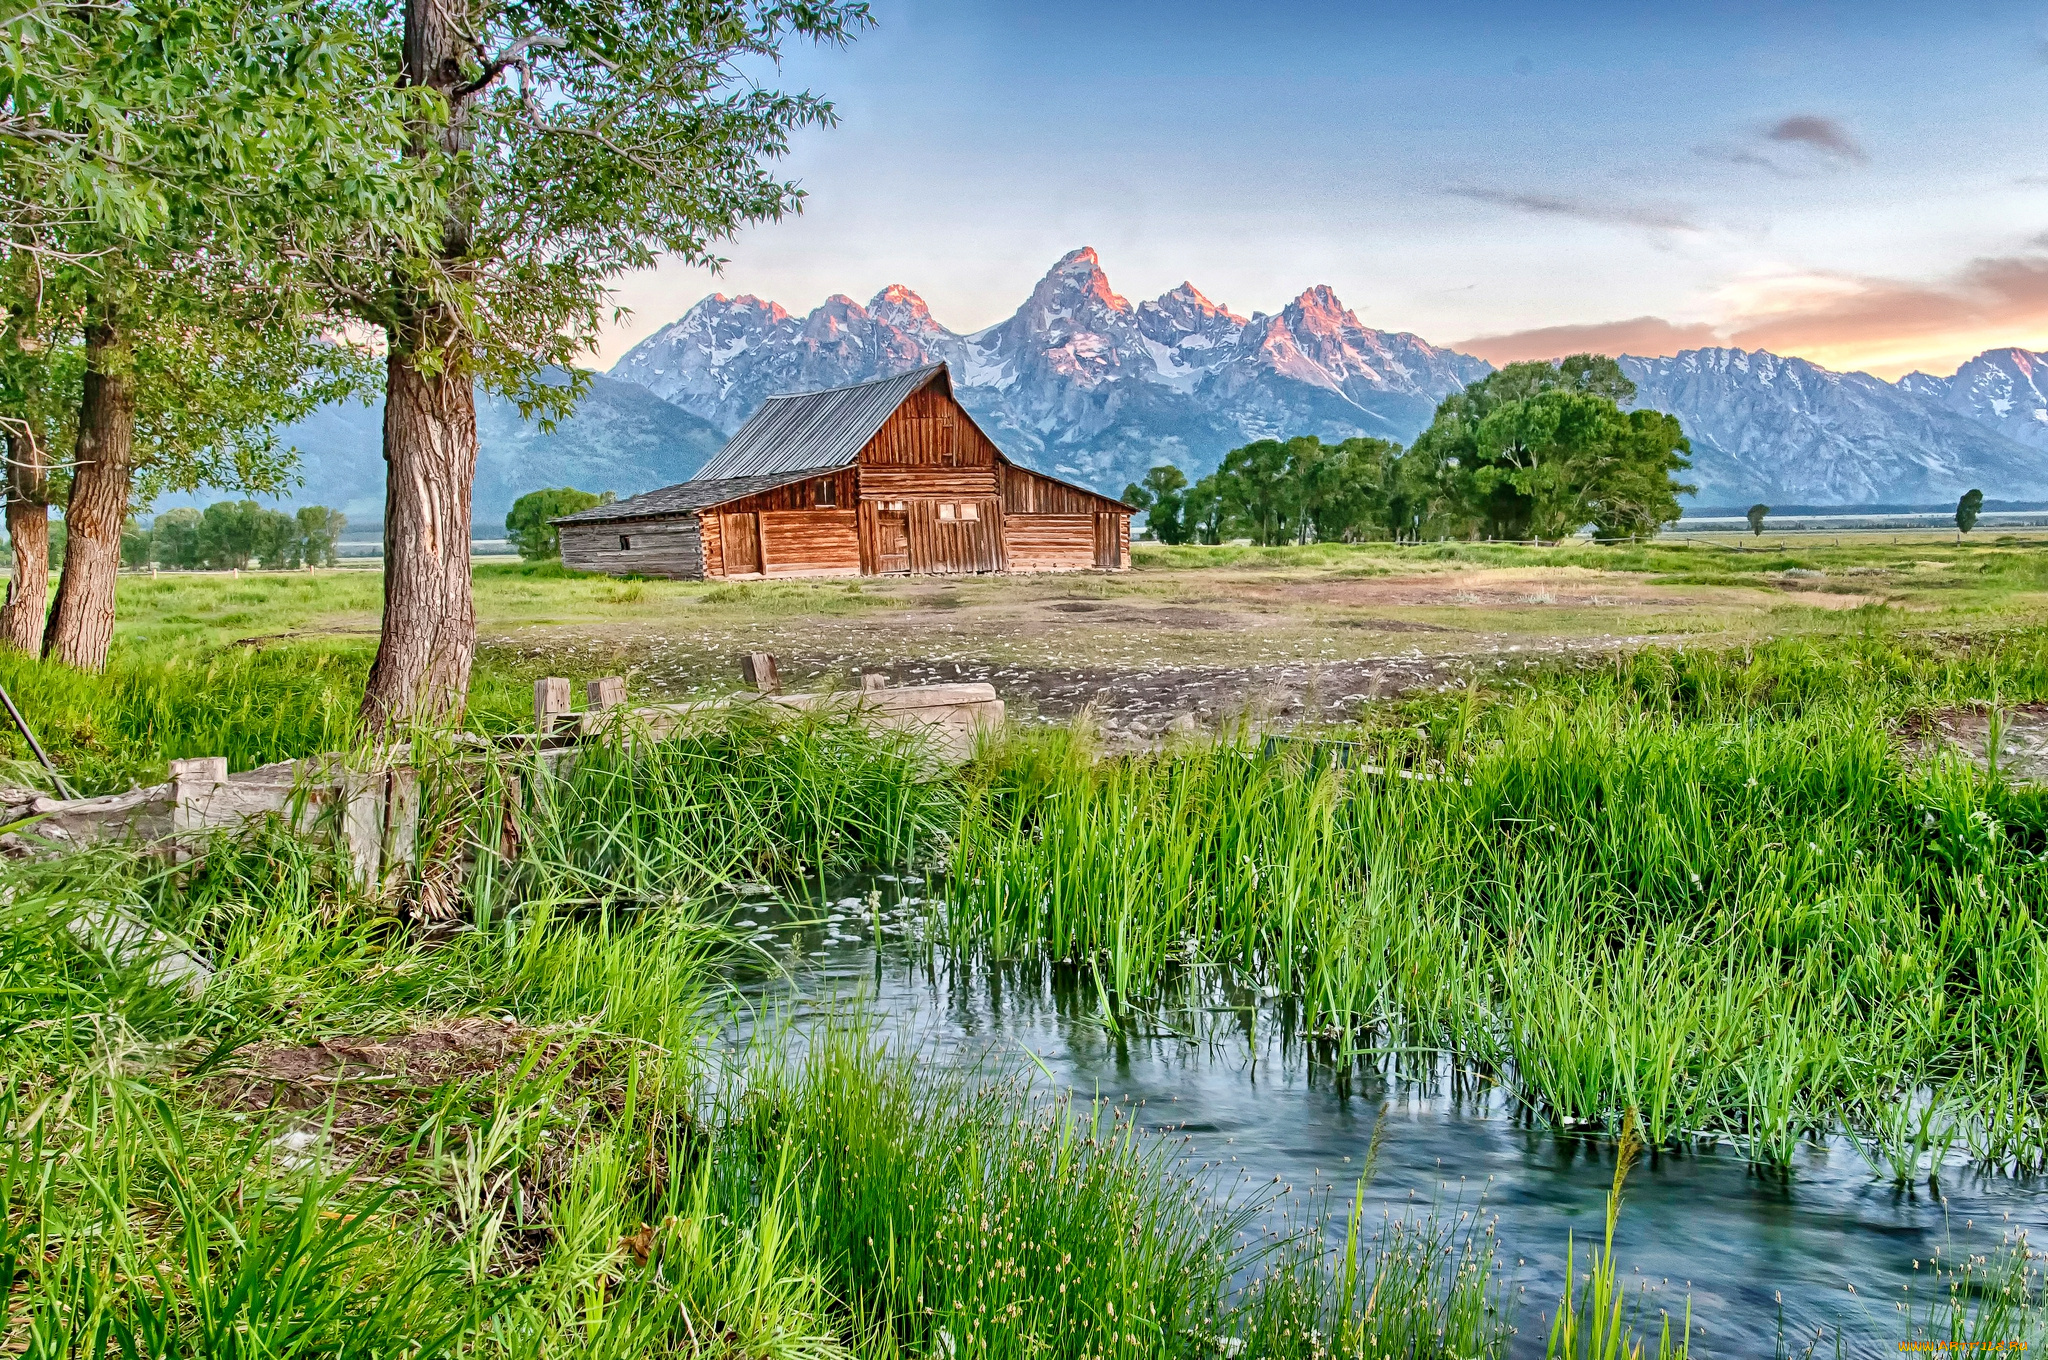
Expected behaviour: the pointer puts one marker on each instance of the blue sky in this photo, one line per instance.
(1866, 184)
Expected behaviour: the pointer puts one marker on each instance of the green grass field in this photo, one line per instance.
(1738, 889)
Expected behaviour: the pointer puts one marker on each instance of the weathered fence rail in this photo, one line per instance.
(370, 804)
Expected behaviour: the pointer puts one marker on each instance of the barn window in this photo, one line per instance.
(624, 542)
(828, 491)
(946, 510)
(969, 510)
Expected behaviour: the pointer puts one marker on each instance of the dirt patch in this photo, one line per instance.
(358, 1103)
(1133, 707)
(2022, 739)
(1395, 626)
(1162, 616)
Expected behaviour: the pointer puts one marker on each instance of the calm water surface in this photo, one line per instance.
(1829, 1249)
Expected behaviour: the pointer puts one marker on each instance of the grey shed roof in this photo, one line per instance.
(811, 430)
(693, 495)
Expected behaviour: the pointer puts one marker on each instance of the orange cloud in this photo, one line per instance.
(1882, 326)
(1645, 335)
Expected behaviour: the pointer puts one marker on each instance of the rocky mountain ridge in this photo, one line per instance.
(1082, 381)
(1079, 379)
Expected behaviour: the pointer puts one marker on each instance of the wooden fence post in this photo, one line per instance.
(192, 784)
(758, 668)
(608, 692)
(550, 703)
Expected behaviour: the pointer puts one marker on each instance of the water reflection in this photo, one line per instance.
(1822, 1258)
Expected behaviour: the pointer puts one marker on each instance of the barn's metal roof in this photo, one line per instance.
(691, 495)
(810, 430)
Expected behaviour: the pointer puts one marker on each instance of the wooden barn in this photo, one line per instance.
(882, 478)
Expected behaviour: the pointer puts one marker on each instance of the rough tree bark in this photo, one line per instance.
(28, 526)
(82, 623)
(429, 634)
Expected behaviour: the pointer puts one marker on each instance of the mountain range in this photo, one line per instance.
(620, 437)
(1083, 382)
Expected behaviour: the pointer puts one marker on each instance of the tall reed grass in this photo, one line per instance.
(1653, 888)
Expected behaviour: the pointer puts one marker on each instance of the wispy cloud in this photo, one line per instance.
(1816, 133)
(1796, 146)
(1657, 216)
(1844, 321)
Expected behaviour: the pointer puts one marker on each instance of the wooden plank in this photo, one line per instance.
(759, 670)
(401, 820)
(606, 692)
(1049, 542)
(671, 547)
(906, 483)
(740, 537)
(550, 703)
(811, 542)
(712, 530)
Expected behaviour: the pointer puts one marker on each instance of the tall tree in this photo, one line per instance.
(1161, 496)
(1756, 518)
(527, 525)
(568, 141)
(1967, 509)
(1540, 450)
(208, 147)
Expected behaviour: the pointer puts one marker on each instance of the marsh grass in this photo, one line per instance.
(1720, 892)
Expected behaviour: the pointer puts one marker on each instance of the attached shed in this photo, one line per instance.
(883, 478)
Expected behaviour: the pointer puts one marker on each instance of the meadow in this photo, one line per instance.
(1742, 891)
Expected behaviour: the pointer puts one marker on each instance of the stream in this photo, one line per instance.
(1816, 1261)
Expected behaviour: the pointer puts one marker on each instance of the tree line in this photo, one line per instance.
(216, 215)
(1532, 451)
(235, 534)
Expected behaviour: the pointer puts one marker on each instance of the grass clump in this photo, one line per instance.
(1745, 919)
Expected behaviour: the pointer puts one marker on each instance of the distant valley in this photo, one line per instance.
(1083, 382)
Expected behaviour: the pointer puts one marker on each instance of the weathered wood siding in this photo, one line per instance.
(1049, 542)
(1029, 493)
(809, 543)
(951, 546)
(925, 471)
(929, 430)
(669, 547)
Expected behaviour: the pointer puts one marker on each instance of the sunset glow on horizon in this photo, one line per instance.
(1862, 186)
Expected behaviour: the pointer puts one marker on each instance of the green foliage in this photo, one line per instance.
(1162, 497)
(580, 139)
(1293, 491)
(527, 524)
(1535, 450)
(1540, 451)
(319, 535)
(1756, 515)
(1967, 509)
(237, 534)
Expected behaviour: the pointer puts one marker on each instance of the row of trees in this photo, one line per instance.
(236, 534)
(205, 203)
(1532, 451)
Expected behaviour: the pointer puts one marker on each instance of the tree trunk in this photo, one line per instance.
(429, 634)
(82, 624)
(28, 526)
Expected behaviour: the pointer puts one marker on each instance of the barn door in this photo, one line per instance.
(742, 534)
(892, 542)
(1107, 555)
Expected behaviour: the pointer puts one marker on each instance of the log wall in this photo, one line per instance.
(1049, 542)
(809, 543)
(664, 547)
